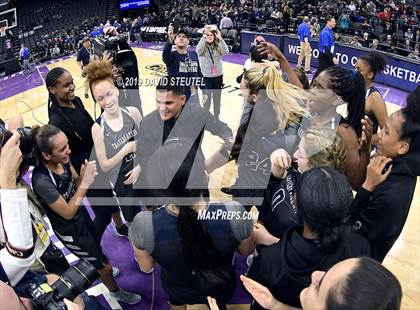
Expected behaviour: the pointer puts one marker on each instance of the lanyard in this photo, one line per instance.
(211, 55)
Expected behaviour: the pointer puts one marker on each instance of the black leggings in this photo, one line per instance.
(128, 197)
(103, 213)
(213, 90)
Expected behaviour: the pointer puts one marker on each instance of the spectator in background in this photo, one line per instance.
(407, 45)
(366, 25)
(371, 7)
(388, 29)
(385, 15)
(55, 51)
(375, 44)
(287, 14)
(414, 54)
(83, 59)
(344, 22)
(315, 27)
(388, 41)
(337, 37)
(365, 41)
(226, 22)
(210, 50)
(355, 42)
(276, 14)
(24, 55)
(212, 16)
(304, 34)
(409, 34)
(417, 37)
(392, 49)
(352, 6)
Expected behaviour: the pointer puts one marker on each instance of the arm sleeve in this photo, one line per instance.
(323, 43)
(141, 232)
(224, 48)
(16, 226)
(361, 200)
(45, 189)
(241, 228)
(379, 213)
(166, 54)
(200, 46)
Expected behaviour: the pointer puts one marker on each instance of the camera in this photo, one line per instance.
(27, 144)
(74, 281)
(111, 44)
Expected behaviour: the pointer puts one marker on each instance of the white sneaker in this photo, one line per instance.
(126, 297)
(115, 272)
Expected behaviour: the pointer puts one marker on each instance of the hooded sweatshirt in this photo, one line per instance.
(380, 215)
(285, 268)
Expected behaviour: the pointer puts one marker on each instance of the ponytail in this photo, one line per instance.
(411, 127)
(331, 235)
(285, 96)
(42, 137)
(350, 86)
(323, 200)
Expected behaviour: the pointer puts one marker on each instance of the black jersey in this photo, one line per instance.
(372, 116)
(280, 212)
(115, 140)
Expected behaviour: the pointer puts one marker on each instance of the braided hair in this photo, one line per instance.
(53, 105)
(323, 198)
(375, 61)
(350, 86)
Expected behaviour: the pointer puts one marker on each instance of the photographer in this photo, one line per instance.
(15, 225)
(125, 69)
(210, 50)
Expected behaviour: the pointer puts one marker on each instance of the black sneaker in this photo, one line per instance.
(122, 231)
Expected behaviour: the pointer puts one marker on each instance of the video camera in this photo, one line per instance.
(101, 44)
(73, 282)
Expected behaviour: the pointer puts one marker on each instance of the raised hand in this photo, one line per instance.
(260, 293)
(88, 173)
(171, 34)
(367, 133)
(378, 171)
(266, 48)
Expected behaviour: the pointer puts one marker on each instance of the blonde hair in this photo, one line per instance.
(285, 96)
(325, 148)
(99, 70)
